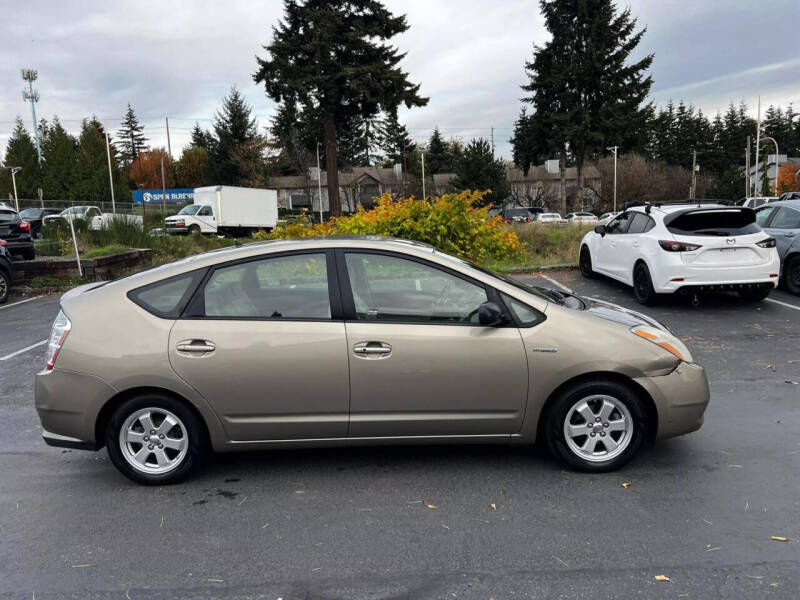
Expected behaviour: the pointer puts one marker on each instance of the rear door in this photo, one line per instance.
(420, 364)
(264, 343)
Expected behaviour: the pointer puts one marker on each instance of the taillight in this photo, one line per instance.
(767, 243)
(25, 226)
(58, 334)
(3, 243)
(672, 246)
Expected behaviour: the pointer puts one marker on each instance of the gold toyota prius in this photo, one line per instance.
(338, 341)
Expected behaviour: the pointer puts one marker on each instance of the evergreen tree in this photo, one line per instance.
(91, 182)
(131, 137)
(436, 158)
(477, 169)
(233, 127)
(201, 138)
(20, 152)
(59, 164)
(396, 143)
(335, 57)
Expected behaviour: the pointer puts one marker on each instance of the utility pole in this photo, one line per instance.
(747, 168)
(14, 171)
(758, 143)
(319, 186)
(163, 189)
(169, 145)
(614, 149)
(694, 174)
(422, 158)
(777, 170)
(110, 178)
(492, 142)
(30, 76)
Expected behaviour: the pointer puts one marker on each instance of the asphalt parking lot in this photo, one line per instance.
(429, 522)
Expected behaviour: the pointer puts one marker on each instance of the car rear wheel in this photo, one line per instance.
(585, 263)
(5, 286)
(155, 440)
(643, 285)
(792, 274)
(754, 294)
(596, 426)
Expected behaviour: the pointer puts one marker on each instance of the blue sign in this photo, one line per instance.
(174, 196)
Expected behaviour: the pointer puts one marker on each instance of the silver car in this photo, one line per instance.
(324, 342)
(781, 220)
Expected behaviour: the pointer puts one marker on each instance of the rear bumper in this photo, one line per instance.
(681, 398)
(672, 276)
(19, 245)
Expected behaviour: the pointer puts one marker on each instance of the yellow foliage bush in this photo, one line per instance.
(452, 223)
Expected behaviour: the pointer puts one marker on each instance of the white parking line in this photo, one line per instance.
(23, 350)
(782, 303)
(20, 302)
(556, 283)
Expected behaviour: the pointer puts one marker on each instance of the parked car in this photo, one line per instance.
(790, 196)
(668, 248)
(35, 218)
(606, 217)
(16, 233)
(227, 210)
(6, 272)
(95, 218)
(325, 341)
(581, 218)
(553, 218)
(520, 214)
(757, 201)
(781, 220)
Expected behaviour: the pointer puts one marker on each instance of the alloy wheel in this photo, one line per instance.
(598, 428)
(153, 440)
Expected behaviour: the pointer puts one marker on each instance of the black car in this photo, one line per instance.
(16, 233)
(35, 217)
(520, 214)
(6, 274)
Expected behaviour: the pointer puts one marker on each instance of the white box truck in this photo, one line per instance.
(226, 210)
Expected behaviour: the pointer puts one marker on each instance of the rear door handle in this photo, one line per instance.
(196, 346)
(372, 350)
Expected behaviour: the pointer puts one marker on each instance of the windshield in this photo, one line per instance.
(30, 213)
(189, 210)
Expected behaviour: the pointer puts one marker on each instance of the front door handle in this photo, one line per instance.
(372, 350)
(196, 346)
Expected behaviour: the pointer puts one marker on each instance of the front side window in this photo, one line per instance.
(786, 218)
(281, 287)
(390, 288)
(762, 216)
(620, 224)
(205, 211)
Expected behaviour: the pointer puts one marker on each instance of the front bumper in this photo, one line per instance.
(681, 398)
(176, 228)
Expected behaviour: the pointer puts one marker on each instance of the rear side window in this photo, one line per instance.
(762, 216)
(7, 215)
(717, 222)
(786, 218)
(167, 298)
(641, 223)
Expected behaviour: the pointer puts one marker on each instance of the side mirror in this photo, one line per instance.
(490, 315)
(601, 229)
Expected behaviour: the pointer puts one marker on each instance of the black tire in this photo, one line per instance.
(643, 285)
(754, 294)
(5, 286)
(194, 229)
(29, 254)
(791, 274)
(585, 263)
(560, 410)
(197, 447)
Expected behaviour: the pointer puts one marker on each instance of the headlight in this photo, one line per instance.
(664, 339)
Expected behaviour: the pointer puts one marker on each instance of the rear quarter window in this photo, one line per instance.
(168, 297)
(716, 222)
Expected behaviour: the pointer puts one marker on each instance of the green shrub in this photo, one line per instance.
(48, 281)
(104, 251)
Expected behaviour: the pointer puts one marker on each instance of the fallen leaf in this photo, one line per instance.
(429, 505)
(626, 484)
(779, 538)
(661, 578)
(770, 367)
(493, 505)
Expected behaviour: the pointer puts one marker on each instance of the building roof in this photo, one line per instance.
(359, 175)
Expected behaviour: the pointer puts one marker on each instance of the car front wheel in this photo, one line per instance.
(585, 263)
(596, 426)
(155, 440)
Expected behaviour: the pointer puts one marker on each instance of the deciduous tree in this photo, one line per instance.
(146, 169)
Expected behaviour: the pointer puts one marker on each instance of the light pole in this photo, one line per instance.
(110, 178)
(30, 76)
(422, 158)
(14, 171)
(614, 149)
(777, 161)
(319, 186)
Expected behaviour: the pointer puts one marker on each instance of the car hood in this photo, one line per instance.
(619, 314)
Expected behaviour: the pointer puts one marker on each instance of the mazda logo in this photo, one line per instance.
(731, 241)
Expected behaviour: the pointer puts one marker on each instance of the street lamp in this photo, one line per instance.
(319, 186)
(422, 158)
(777, 161)
(14, 171)
(614, 149)
(30, 76)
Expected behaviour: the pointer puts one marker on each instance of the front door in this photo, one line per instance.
(263, 349)
(420, 364)
(611, 247)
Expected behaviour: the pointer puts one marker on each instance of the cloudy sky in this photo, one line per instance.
(177, 59)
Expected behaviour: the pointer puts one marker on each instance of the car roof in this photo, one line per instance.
(793, 203)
